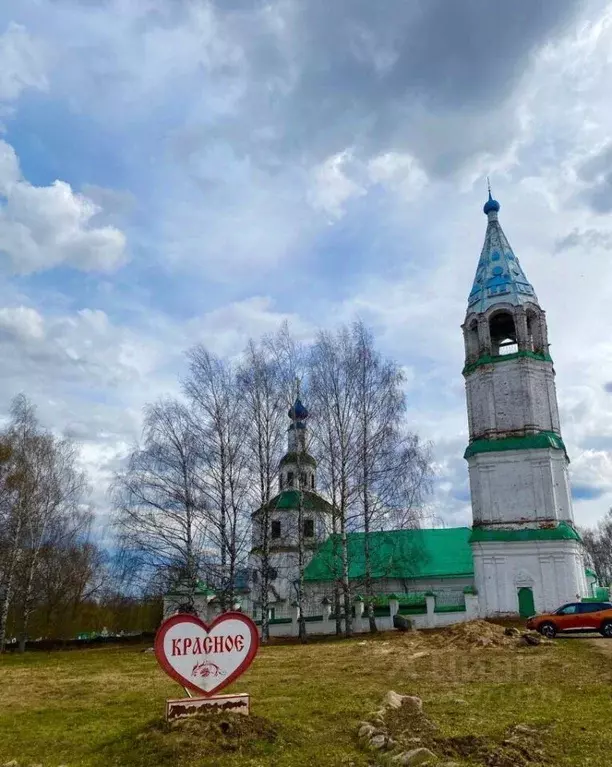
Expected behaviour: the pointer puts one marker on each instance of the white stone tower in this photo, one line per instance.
(297, 470)
(527, 553)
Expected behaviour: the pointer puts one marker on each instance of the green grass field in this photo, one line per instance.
(105, 706)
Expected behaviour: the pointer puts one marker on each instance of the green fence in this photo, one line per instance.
(450, 609)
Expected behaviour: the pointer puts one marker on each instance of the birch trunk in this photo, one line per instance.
(5, 599)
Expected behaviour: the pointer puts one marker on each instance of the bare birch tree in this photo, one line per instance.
(41, 496)
(161, 520)
(55, 513)
(597, 543)
(11, 526)
(290, 360)
(393, 468)
(259, 384)
(376, 470)
(220, 421)
(333, 396)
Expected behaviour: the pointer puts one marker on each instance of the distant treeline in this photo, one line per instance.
(55, 580)
(47, 645)
(112, 615)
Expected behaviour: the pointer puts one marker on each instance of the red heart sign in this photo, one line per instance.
(206, 658)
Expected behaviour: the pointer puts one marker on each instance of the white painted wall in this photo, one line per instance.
(283, 552)
(515, 486)
(553, 569)
(361, 625)
(510, 397)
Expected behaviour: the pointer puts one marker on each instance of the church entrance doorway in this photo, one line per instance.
(526, 603)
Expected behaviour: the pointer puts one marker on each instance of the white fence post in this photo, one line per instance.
(430, 601)
(359, 607)
(326, 608)
(471, 605)
(393, 605)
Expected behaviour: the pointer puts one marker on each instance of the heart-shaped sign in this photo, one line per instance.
(206, 658)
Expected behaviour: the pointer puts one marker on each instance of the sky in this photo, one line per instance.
(183, 171)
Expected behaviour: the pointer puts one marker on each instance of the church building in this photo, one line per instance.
(297, 472)
(527, 553)
(522, 554)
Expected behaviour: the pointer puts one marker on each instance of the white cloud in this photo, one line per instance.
(22, 63)
(226, 331)
(90, 377)
(399, 171)
(23, 323)
(46, 226)
(332, 187)
(237, 122)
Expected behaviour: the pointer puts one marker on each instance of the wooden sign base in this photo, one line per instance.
(178, 708)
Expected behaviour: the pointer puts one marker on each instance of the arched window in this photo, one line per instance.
(289, 479)
(503, 334)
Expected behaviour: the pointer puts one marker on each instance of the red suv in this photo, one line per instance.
(575, 616)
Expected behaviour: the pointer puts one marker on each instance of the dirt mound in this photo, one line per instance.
(232, 730)
(476, 634)
(211, 733)
(521, 746)
(404, 727)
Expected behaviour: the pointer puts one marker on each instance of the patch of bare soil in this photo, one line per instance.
(477, 633)
(406, 728)
(602, 644)
(520, 746)
(214, 732)
(482, 634)
(472, 635)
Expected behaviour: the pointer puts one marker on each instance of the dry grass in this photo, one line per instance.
(104, 706)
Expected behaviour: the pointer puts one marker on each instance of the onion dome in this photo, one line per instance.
(491, 205)
(298, 411)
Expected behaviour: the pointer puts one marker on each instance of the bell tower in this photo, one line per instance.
(527, 553)
(279, 520)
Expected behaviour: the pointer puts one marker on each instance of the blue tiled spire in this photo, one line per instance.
(499, 277)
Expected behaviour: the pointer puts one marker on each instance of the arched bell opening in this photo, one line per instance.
(503, 334)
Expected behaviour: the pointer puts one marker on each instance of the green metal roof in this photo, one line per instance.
(543, 440)
(562, 532)
(590, 573)
(288, 499)
(398, 554)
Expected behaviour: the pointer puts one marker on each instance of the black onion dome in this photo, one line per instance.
(298, 411)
